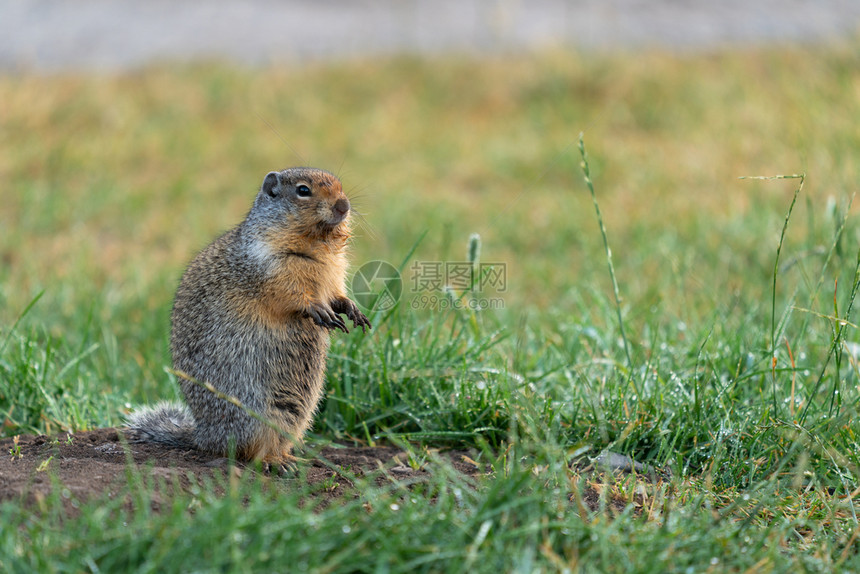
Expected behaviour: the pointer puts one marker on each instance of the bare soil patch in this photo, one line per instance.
(93, 464)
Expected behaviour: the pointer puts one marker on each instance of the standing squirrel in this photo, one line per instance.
(252, 317)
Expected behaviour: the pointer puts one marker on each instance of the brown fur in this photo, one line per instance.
(251, 317)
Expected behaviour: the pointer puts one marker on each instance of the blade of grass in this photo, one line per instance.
(837, 340)
(20, 318)
(587, 175)
(797, 191)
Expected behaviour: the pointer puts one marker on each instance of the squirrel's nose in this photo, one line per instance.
(341, 207)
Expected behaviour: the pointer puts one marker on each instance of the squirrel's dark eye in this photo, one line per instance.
(303, 191)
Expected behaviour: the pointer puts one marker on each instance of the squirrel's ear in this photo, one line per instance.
(272, 184)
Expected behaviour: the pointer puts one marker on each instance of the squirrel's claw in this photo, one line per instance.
(359, 320)
(348, 308)
(325, 317)
(340, 324)
(283, 469)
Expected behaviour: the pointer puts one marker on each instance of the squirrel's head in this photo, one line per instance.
(305, 200)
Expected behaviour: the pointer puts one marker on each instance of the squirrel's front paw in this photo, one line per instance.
(324, 316)
(348, 308)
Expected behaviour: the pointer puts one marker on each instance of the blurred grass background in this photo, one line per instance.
(109, 184)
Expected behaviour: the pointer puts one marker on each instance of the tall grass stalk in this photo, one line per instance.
(586, 172)
(773, 361)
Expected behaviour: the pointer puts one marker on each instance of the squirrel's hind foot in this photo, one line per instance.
(286, 467)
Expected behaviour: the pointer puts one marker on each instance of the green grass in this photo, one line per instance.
(729, 358)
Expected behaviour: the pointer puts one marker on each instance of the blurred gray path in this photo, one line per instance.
(53, 35)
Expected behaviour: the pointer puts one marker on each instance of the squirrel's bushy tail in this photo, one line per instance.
(170, 424)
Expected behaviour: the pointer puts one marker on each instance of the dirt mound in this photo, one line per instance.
(94, 463)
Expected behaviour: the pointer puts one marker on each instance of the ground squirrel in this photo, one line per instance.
(251, 317)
